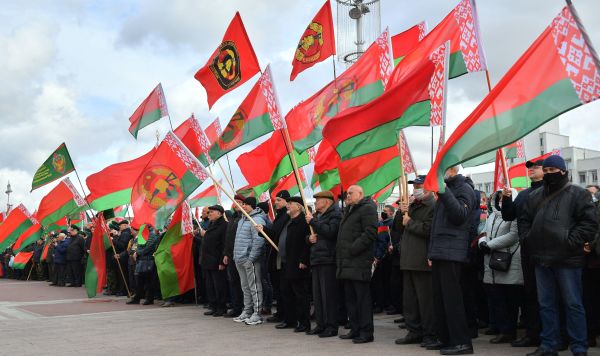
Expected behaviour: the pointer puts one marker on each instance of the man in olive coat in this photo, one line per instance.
(354, 251)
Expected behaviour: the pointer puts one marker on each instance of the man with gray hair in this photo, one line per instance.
(357, 234)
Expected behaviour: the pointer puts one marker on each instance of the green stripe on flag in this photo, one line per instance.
(112, 200)
(147, 119)
(383, 176)
(253, 129)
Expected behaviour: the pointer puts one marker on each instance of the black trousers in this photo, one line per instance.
(235, 287)
(75, 272)
(325, 298)
(418, 303)
(61, 271)
(294, 293)
(145, 286)
(448, 304)
(591, 290)
(51, 272)
(216, 289)
(504, 306)
(359, 307)
(396, 287)
(380, 283)
(530, 306)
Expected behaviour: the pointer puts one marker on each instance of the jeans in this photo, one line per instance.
(553, 282)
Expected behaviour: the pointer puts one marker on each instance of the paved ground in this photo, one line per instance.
(36, 319)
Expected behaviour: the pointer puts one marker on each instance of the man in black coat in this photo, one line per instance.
(448, 252)
(326, 225)
(294, 254)
(354, 251)
(211, 257)
(75, 252)
(511, 210)
(233, 277)
(121, 242)
(557, 222)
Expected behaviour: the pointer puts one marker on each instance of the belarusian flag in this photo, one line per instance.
(559, 72)
(170, 177)
(213, 131)
(192, 136)
(406, 41)
(317, 42)
(16, 223)
(111, 187)
(373, 171)
(361, 83)
(518, 175)
(374, 126)
(408, 163)
(60, 224)
(121, 211)
(61, 200)
(230, 65)
(143, 234)
(21, 259)
(173, 257)
(152, 109)
(45, 250)
(245, 191)
(461, 28)
(326, 167)
(288, 183)
(57, 165)
(499, 178)
(384, 193)
(268, 162)
(95, 270)
(207, 197)
(256, 116)
(29, 236)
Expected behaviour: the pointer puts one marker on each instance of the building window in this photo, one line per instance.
(488, 188)
(582, 177)
(594, 176)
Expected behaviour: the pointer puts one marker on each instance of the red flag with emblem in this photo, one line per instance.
(317, 42)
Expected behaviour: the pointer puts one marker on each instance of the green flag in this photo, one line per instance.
(56, 166)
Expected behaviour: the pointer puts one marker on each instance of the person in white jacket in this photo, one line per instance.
(504, 287)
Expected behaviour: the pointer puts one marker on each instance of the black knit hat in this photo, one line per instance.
(250, 201)
(264, 206)
(217, 208)
(283, 194)
(295, 200)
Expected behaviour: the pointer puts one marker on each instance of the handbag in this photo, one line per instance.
(500, 260)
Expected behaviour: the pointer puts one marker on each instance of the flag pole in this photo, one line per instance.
(105, 228)
(218, 193)
(230, 175)
(226, 177)
(502, 157)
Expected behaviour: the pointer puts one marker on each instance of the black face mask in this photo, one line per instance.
(384, 215)
(554, 178)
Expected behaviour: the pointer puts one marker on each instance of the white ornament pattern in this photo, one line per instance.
(437, 85)
(469, 43)
(385, 59)
(187, 225)
(78, 199)
(266, 86)
(192, 164)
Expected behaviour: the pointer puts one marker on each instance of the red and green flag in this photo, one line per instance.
(256, 116)
(288, 183)
(364, 81)
(559, 72)
(121, 211)
(317, 42)
(45, 250)
(461, 28)
(326, 173)
(21, 259)
(171, 175)
(29, 236)
(384, 193)
(16, 223)
(143, 234)
(95, 270)
(56, 166)
(207, 197)
(60, 224)
(406, 41)
(111, 187)
(213, 131)
(268, 162)
(173, 257)
(192, 136)
(373, 171)
(230, 65)
(59, 202)
(152, 109)
(518, 175)
(245, 191)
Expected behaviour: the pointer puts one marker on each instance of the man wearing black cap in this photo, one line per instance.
(121, 241)
(326, 225)
(273, 260)
(418, 295)
(511, 210)
(557, 222)
(75, 252)
(211, 259)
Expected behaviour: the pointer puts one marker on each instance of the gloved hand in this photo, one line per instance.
(483, 246)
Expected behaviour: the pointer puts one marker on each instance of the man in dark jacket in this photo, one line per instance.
(121, 242)
(211, 258)
(418, 296)
(448, 252)
(396, 289)
(354, 254)
(75, 252)
(557, 221)
(511, 211)
(233, 277)
(60, 258)
(145, 269)
(294, 254)
(322, 263)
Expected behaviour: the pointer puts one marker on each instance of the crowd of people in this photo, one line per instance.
(452, 264)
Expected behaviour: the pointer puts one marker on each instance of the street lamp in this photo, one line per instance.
(8, 191)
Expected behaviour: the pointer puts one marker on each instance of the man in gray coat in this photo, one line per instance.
(354, 250)
(247, 252)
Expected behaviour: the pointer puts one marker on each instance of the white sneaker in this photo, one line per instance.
(242, 317)
(255, 319)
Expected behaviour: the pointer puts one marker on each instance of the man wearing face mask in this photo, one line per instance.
(557, 221)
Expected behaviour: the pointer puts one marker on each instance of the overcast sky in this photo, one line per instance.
(75, 71)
